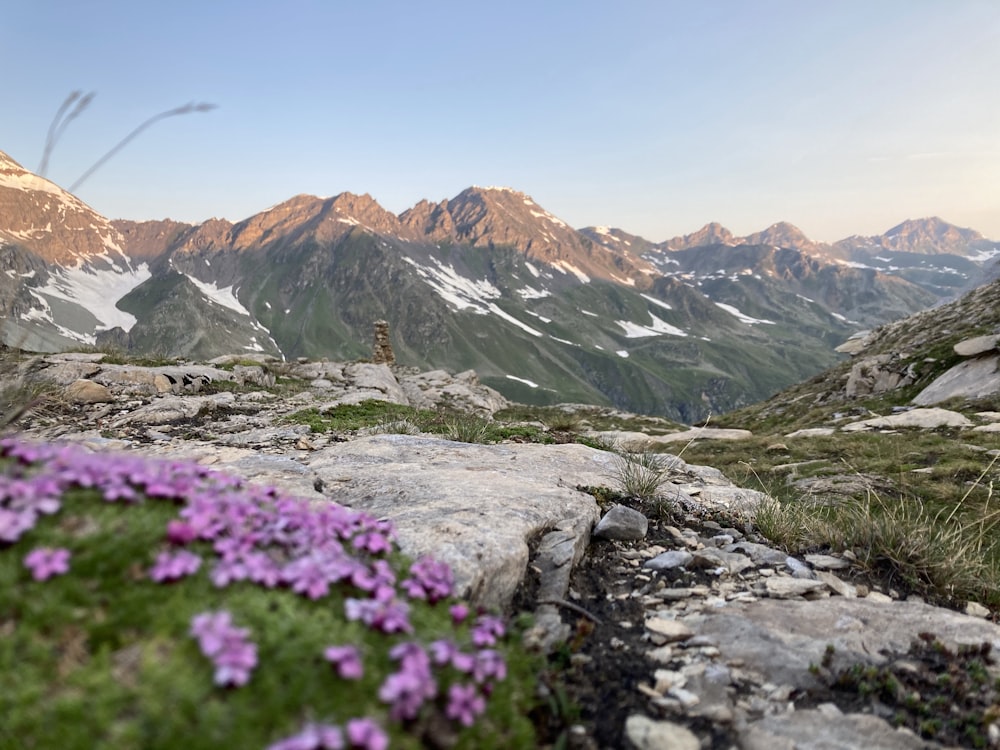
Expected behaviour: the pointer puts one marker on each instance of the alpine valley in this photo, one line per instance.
(488, 280)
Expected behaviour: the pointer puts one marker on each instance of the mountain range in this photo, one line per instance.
(488, 280)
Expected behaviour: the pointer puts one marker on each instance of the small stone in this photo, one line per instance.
(836, 585)
(685, 697)
(649, 692)
(669, 630)
(799, 569)
(993, 734)
(783, 587)
(975, 609)
(721, 540)
(878, 596)
(162, 383)
(647, 734)
(676, 558)
(661, 655)
(827, 562)
(622, 524)
(667, 679)
(88, 392)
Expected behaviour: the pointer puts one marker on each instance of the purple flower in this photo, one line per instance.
(347, 660)
(174, 566)
(407, 689)
(234, 662)
(386, 616)
(45, 562)
(373, 542)
(487, 629)
(312, 737)
(489, 663)
(430, 580)
(180, 532)
(366, 734)
(464, 704)
(262, 569)
(233, 655)
(442, 651)
(458, 613)
(14, 523)
(227, 571)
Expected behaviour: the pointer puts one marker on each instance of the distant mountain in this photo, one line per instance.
(923, 237)
(502, 217)
(710, 234)
(487, 280)
(941, 257)
(62, 262)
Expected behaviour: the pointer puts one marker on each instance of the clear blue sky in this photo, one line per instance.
(841, 117)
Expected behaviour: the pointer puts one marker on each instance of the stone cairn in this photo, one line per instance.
(383, 354)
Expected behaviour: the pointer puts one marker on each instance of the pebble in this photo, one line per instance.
(646, 734)
(668, 631)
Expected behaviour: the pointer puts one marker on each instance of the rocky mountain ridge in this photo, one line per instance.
(487, 280)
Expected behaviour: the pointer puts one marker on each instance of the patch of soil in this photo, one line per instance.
(592, 684)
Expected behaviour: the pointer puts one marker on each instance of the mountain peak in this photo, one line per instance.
(928, 236)
(712, 233)
(50, 222)
(781, 234)
(7, 163)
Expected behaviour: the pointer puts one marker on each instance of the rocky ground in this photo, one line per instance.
(701, 636)
(668, 626)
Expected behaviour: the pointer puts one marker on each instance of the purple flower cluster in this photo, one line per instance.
(262, 537)
(227, 646)
(45, 562)
(172, 566)
(430, 580)
(363, 734)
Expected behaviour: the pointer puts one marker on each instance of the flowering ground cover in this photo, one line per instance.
(162, 605)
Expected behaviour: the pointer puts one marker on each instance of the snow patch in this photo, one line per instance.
(588, 312)
(984, 255)
(540, 317)
(532, 293)
(463, 293)
(655, 301)
(534, 271)
(657, 327)
(564, 341)
(529, 383)
(743, 318)
(225, 296)
(565, 267)
(622, 353)
(548, 217)
(97, 290)
(626, 282)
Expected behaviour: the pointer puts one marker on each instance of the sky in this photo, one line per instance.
(655, 116)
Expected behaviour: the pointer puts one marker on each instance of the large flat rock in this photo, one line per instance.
(474, 506)
(781, 639)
